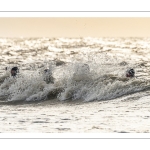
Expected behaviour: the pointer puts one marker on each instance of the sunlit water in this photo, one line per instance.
(84, 90)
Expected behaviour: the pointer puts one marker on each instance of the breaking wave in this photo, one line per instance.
(96, 72)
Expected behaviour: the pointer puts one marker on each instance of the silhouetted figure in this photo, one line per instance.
(14, 71)
(48, 78)
(46, 70)
(130, 73)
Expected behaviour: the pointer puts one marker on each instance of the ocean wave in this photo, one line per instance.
(85, 69)
(72, 81)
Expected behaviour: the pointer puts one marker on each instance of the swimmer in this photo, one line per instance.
(130, 73)
(48, 78)
(14, 71)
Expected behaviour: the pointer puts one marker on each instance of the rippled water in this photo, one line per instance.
(81, 70)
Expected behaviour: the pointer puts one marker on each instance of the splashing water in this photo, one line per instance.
(89, 68)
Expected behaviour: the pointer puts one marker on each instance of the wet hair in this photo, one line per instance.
(130, 73)
(46, 70)
(14, 71)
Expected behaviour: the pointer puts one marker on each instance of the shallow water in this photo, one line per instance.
(89, 91)
(115, 116)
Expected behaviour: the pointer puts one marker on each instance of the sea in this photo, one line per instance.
(75, 85)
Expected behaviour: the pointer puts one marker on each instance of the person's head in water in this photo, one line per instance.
(48, 78)
(14, 71)
(130, 73)
(46, 70)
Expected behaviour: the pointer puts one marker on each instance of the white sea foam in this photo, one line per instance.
(81, 68)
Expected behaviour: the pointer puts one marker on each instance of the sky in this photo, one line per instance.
(74, 27)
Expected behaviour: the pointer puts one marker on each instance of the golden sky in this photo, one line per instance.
(75, 27)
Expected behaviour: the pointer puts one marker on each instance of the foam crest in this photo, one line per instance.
(92, 85)
(77, 68)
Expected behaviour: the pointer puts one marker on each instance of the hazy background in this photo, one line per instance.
(74, 27)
